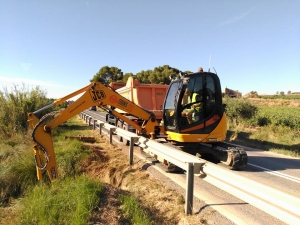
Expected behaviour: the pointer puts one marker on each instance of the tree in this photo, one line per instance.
(282, 93)
(107, 75)
(126, 76)
(162, 74)
(289, 92)
(143, 76)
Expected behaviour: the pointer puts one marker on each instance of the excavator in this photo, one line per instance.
(201, 134)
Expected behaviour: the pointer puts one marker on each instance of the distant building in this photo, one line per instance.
(231, 93)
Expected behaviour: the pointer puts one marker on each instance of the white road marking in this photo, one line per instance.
(282, 175)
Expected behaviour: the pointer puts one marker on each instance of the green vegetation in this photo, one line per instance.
(15, 104)
(281, 96)
(245, 112)
(67, 201)
(18, 179)
(133, 210)
(239, 110)
(274, 128)
(17, 169)
(278, 116)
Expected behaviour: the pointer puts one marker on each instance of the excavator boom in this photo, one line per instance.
(95, 94)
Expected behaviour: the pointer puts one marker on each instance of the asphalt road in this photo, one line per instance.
(275, 170)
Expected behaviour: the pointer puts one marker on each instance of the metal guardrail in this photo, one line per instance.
(191, 164)
(277, 204)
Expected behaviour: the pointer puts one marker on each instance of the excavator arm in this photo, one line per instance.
(95, 94)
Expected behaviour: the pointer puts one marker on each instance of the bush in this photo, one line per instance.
(263, 121)
(238, 110)
(16, 104)
(14, 107)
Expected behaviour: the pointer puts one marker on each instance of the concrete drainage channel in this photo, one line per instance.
(277, 204)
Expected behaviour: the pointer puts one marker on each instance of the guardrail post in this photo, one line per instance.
(94, 124)
(90, 119)
(111, 130)
(131, 150)
(189, 189)
(100, 128)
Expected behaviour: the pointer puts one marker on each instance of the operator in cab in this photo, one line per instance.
(195, 108)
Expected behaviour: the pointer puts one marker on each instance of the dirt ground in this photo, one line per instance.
(109, 164)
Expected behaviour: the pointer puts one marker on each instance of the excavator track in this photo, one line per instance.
(237, 158)
(234, 157)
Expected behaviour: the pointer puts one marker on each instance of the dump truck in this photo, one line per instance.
(117, 85)
(150, 97)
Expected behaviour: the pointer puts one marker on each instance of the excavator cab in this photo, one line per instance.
(193, 110)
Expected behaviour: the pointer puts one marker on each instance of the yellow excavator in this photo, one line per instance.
(201, 131)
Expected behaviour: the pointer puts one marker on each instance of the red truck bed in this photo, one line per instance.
(148, 96)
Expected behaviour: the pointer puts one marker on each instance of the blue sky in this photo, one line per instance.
(61, 44)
